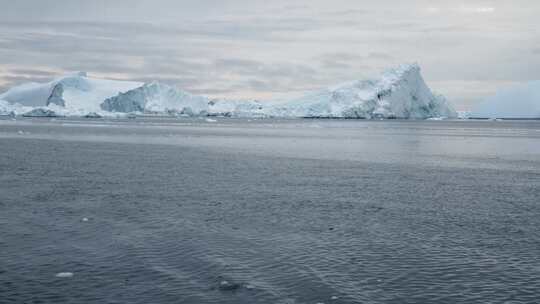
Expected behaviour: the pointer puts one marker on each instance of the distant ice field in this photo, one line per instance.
(269, 211)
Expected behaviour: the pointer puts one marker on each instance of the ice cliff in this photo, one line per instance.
(157, 98)
(399, 93)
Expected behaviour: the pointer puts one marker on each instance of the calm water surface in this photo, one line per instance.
(269, 211)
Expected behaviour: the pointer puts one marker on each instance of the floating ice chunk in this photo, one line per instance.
(210, 120)
(64, 275)
(40, 112)
(85, 219)
(93, 115)
(333, 298)
(228, 286)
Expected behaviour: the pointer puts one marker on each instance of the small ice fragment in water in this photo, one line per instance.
(210, 120)
(227, 286)
(85, 219)
(249, 286)
(20, 132)
(92, 115)
(334, 298)
(64, 275)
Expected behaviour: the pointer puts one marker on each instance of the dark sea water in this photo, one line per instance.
(267, 211)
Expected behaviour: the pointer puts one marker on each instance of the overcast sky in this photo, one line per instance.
(264, 49)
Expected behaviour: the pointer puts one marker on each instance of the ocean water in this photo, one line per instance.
(269, 211)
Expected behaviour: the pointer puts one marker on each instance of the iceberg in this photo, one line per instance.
(399, 93)
(520, 101)
(236, 108)
(75, 92)
(157, 98)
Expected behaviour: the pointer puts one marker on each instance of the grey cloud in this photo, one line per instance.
(236, 64)
(349, 61)
(34, 72)
(335, 64)
(9, 81)
(380, 55)
(343, 56)
(181, 82)
(226, 47)
(255, 68)
(256, 84)
(350, 12)
(211, 91)
(106, 65)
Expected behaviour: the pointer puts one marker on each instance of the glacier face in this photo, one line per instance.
(521, 101)
(399, 93)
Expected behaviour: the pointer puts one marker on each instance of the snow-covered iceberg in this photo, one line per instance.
(77, 93)
(399, 93)
(520, 101)
(157, 98)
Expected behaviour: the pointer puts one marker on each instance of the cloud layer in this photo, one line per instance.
(258, 49)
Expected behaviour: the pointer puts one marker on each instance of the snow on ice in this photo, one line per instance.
(398, 93)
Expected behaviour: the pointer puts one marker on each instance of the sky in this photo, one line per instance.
(273, 49)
